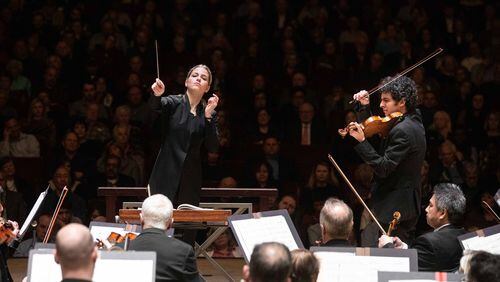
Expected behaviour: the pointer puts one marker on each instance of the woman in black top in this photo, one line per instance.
(188, 123)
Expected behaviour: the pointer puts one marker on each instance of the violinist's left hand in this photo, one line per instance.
(212, 103)
(356, 131)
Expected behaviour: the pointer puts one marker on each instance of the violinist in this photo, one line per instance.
(396, 163)
(438, 250)
(8, 232)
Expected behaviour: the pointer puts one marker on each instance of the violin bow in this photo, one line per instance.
(54, 216)
(491, 211)
(356, 193)
(409, 69)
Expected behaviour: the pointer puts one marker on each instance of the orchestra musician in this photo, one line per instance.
(8, 232)
(397, 180)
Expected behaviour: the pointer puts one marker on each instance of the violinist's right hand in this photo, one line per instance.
(158, 87)
(363, 97)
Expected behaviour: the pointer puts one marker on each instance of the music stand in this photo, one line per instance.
(110, 266)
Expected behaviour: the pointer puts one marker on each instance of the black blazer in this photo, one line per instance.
(440, 250)
(337, 243)
(397, 168)
(179, 155)
(175, 260)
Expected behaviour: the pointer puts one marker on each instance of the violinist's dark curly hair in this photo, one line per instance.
(402, 88)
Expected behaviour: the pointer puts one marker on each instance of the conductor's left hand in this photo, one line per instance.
(212, 103)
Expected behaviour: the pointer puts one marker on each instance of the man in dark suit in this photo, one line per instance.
(396, 164)
(308, 131)
(336, 223)
(439, 250)
(175, 260)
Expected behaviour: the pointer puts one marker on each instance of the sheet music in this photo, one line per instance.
(335, 266)
(414, 280)
(139, 270)
(489, 244)
(255, 231)
(32, 213)
(45, 269)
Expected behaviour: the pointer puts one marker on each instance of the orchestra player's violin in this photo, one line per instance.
(392, 226)
(6, 231)
(375, 125)
(116, 238)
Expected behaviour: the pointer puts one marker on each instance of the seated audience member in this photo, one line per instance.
(41, 126)
(336, 221)
(175, 259)
(228, 182)
(15, 207)
(39, 234)
(439, 250)
(111, 176)
(16, 143)
(305, 266)
(480, 266)
(262, 176)
(224, 246)
(322, 184)
(13, 182)
(282, 167)
(288, 202)
(76, 252)
(72, 202)
(269, 262)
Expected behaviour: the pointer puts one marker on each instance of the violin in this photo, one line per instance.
(374, 125)
(116, 238)
(392, 226)
(6, 231)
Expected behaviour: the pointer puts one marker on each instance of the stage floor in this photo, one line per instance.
(232, 266)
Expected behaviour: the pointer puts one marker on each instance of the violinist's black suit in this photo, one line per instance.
(439, 250)
(396, 167)
(175, 259)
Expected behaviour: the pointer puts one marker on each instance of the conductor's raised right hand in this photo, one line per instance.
(362, 97)
(158, 87)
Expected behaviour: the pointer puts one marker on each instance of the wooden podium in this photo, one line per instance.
(266, 196)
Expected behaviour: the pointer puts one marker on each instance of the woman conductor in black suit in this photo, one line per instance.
(190, 122)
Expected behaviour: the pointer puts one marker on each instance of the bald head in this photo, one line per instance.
(75, 249)
(336, 219)
(270, 262)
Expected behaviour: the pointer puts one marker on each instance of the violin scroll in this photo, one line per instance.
(392, 226)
